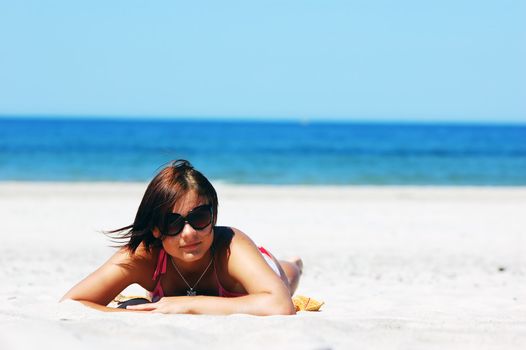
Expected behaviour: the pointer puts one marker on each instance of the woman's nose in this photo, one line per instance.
(188, 229)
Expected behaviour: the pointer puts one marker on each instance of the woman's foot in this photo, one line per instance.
(298, 262)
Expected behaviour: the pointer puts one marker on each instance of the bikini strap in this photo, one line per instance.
(161, 264)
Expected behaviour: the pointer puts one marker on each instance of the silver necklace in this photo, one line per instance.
(191, 292)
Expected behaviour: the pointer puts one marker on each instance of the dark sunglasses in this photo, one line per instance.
(199, 218)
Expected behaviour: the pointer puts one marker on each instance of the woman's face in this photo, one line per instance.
(190, 244)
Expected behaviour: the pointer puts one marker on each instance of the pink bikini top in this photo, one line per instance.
(158, 292)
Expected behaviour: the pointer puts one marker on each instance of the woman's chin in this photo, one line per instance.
(192, 256)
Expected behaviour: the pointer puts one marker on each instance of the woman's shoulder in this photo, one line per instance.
(142, 257)
(139, 265)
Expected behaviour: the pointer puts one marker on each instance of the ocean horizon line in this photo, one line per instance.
(260, 120)
(220, 183)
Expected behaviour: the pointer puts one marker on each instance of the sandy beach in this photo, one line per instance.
(397, 267)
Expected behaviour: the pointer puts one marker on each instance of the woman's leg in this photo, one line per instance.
(290, 271)
(293, 269)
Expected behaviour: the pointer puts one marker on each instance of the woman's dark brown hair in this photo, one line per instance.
(167, 187)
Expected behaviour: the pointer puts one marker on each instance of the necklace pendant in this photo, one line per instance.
(191, 292)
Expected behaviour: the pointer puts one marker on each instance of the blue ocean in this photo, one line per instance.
(254, 152)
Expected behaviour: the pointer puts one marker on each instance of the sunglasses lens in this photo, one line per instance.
(175, 226)
(200, 217)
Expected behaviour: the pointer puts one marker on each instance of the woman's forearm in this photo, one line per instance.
(261, 304)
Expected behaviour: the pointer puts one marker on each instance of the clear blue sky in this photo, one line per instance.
(366, 60)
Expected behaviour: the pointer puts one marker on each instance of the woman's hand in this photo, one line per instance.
(166, 305)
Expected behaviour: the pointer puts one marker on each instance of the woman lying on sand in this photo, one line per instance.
(174, 250)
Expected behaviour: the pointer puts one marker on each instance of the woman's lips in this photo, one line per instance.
(190, 246)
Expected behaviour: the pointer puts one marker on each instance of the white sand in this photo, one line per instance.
(408, 268)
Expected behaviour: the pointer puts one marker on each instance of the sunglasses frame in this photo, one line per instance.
(171, 217)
